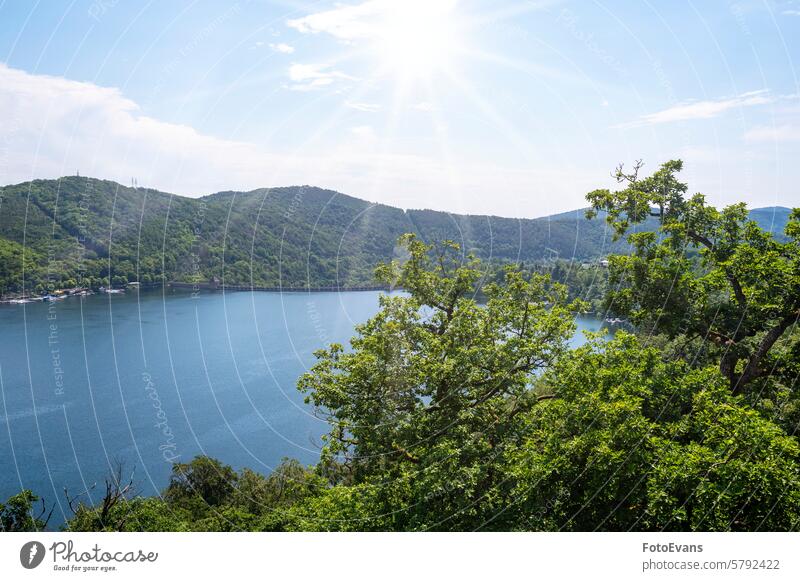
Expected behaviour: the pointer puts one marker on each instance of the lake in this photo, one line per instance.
(150, 378)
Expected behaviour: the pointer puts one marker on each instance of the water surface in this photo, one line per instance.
(150, 378)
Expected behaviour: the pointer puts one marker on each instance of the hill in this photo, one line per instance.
(79, 231)
(772, 219)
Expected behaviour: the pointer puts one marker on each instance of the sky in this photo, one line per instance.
(471, 106)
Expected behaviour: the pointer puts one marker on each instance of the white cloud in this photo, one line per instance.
(347, 22)
(776, 133)
(365, 107)
(282, 48)
(52, 126)
(307, 77)
(703, 109)
(424, 106)
(413, 38)
(367, 20)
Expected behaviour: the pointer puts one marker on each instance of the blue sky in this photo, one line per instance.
(475, 106)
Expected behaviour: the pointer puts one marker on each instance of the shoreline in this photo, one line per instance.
(195, 287)
(61, 294)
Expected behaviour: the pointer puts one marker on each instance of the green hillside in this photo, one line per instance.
(83, 231)
(772, 219)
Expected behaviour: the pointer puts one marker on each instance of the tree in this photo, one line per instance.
(106, 515)
(428, 394)
(631, 442)
(18, 513)
(712, 278)
(132, 515)
(272, 497)
(204, 479)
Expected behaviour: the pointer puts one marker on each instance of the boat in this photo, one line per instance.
(54, 297)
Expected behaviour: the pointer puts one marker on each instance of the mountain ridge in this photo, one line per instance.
(82, 231)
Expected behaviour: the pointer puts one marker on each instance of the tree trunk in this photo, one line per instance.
(727, 367)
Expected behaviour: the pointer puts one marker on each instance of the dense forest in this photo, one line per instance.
(451, 413)
(78, 231)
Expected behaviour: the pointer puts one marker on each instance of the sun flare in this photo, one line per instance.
(418, 38)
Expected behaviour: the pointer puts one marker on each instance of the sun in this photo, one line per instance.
(418, 38)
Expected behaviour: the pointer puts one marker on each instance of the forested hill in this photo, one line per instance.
(89, 232)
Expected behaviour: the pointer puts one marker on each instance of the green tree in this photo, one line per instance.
(131, 515)
(203, 480)
(426, 397)
(271, 497)
(712, 278)
(112, 512)
(19, 515)
(631, 442)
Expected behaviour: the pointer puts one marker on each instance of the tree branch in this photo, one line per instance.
(753, 369)
(737, 287)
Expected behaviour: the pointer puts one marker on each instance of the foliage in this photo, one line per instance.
(204, 480)
(19, 513)
(713, 279)
(585, 281)
(631, 442)
(88, 232)
(207, 495)
(433, 382)
(459, 405)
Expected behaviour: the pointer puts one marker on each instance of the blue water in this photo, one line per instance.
(152, 378)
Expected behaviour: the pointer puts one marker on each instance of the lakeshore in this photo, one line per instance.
(153, 379)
